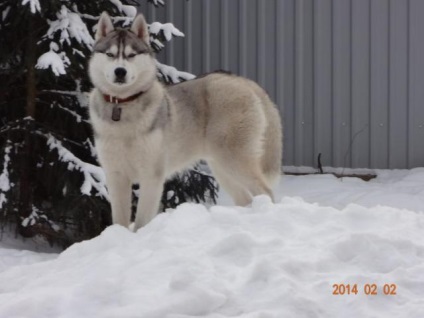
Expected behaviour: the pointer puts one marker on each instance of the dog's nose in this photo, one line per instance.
(120, 72)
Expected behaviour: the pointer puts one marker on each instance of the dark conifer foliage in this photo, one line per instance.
(50, 182)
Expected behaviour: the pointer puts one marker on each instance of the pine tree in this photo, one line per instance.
(50, 181)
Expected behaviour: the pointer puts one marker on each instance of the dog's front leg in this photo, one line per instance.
(119, 188)
(151, 187)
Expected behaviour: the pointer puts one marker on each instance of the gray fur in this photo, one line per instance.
(227, 120)
(162, 116)
(121, 38)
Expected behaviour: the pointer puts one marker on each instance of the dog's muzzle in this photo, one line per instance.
(120, 74)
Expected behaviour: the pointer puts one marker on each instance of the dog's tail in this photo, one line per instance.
(272, 156)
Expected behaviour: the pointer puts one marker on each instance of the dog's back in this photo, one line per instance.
(229, 119)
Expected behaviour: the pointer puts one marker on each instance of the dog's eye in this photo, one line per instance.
(109, 54)
(130, 56)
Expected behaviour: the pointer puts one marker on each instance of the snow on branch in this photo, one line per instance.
(38, 216)
(171, 75)
(168, 30)
(82, 97)
(58, 62)
(4, 13)
(159, 31)
(33, 4)
(157, 2)
(94, 176)
(70, 25)
(4, 177)
(129, 11)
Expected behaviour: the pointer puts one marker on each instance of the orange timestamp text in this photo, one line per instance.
(367, 289)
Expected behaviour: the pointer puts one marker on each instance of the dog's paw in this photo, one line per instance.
(131, 227)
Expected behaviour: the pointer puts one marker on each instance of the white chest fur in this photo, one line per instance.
(127, 146)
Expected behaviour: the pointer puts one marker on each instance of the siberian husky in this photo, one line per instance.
(145, 132)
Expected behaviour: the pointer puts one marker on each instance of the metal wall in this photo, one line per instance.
(347, 75)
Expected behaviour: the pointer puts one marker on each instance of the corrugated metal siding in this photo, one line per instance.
(347, 75)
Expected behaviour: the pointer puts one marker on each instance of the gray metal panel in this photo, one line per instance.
(416, 84)
(379, 86)
(360, 150)
(323, 88)
(398, 88)
(347, 75)
(304, 108)
(287, 37)
(342, 77)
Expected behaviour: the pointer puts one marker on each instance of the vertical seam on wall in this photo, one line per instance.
(314, 135)
(276, 56)
(170, 47)
(224, 34)
(206, 36)
(189, 36)
(260, 67)
(242, 38)
(369, 80)
(152, 12)
(408, 74)
(332, 85)
(389, 82)
(295, 77)
(351, 132)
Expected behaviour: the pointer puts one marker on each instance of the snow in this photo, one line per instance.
(33, 4)
(5, 13)
(70, 25)
(35, 217)
(263, 261)
(158, 2)
(172, 74)
(58, 62)
(4, 176)
(168, 29)
(129, 11)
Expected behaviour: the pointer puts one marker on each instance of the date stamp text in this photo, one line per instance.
(366, 289)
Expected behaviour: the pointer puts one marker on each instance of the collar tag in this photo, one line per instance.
(116, 113)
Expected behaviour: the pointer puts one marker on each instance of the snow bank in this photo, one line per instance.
(402, 189)
(267, 261)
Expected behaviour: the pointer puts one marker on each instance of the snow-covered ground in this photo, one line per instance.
(265, 261)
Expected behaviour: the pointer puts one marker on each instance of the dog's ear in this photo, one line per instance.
(140, 28)
(104, 26)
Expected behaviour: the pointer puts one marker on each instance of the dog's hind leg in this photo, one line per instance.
(253, 179)
(119, 188)
(239, 194)
(247, 172)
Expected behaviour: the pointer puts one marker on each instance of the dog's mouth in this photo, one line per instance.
(120, 81)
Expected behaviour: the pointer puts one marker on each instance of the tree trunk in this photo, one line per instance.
(26, 162)
(30, 63)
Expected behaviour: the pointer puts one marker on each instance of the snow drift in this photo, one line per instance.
(266, 261)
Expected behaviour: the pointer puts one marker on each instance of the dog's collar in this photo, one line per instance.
(116, 111)
(117, 100)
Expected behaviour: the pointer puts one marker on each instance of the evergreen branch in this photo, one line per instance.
(171, 75)
(94, 175)
(21, 125)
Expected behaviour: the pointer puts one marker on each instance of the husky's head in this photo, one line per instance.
(122, 63)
